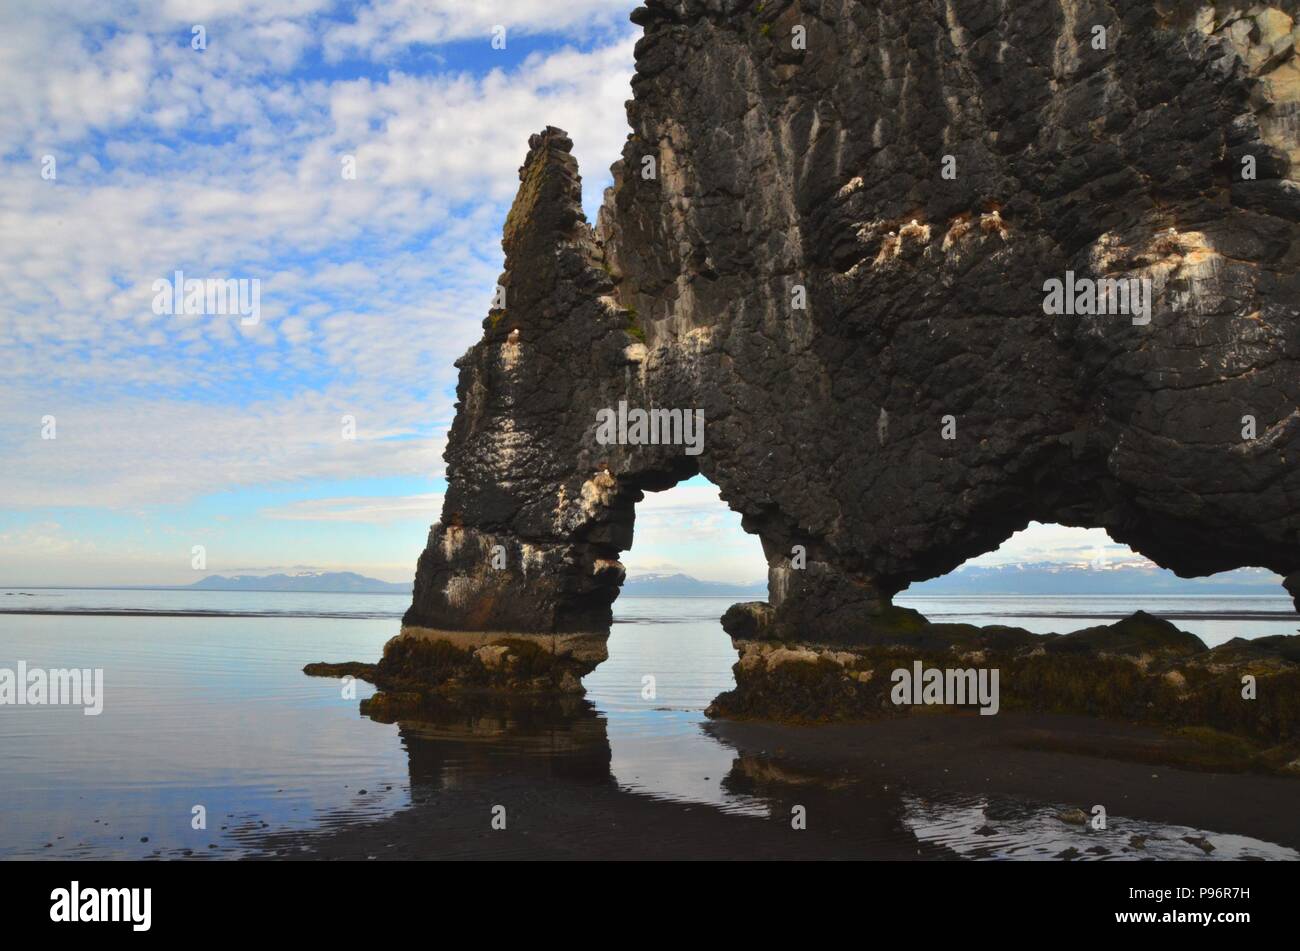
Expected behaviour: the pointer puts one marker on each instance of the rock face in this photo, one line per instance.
(830, 233)
(1140, 668)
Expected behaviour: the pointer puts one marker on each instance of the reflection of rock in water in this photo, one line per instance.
(985, 828)
(861, 815)
(448, 740)
(869, 808)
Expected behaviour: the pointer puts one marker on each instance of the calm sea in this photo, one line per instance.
(214, 711)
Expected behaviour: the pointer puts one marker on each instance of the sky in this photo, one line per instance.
(228, 161)
(214, 138)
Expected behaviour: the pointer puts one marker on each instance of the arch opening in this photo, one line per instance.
(668, 656)
(1051, 578)
(688, 561)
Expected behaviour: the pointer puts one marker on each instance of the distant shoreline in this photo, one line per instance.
(759, 595)
(147, 612)
(181, 587)
(1082, 615)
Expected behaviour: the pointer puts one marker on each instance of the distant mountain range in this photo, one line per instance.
(644, 585)
(1065, 579)
(1042, 578)
(974, 580)
(340, 582)
(684, 586)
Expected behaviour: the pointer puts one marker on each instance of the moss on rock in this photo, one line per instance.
(1141, 668)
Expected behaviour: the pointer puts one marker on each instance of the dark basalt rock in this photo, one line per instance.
(422, 670)
(1140, 668)
(1133, 636)
(781, 171)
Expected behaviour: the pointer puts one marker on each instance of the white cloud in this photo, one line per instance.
(689, 529)
(385, 26)
(373, 510)
(157, 452)
(370, 288)
(1061, 544)
(44, 539)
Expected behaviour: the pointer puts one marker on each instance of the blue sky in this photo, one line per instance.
(175, 431)
(227, 162)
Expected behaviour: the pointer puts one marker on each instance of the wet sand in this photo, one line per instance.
(857, 783)
(1075, 761)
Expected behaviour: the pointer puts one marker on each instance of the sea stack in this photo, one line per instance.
(829, 233)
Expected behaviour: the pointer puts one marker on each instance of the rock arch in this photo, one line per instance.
(820, 169)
